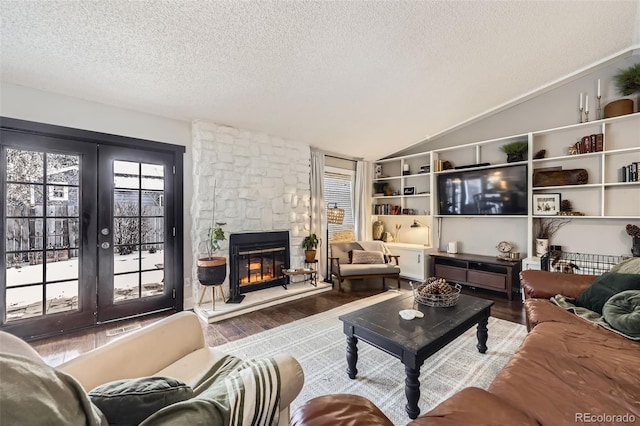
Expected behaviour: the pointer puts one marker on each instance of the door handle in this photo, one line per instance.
(418, 258)
(105, 245)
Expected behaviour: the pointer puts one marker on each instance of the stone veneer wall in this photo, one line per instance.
(262, 184)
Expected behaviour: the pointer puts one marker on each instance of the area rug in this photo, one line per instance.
(318, 343)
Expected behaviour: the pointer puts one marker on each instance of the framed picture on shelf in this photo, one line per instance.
(425, 169)
(546, 204)
(409, 190)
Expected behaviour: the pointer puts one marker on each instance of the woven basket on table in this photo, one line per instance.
(435, 300)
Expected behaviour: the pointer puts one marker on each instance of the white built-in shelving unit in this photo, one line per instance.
(604, 196)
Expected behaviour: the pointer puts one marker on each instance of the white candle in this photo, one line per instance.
(580, 100)
(598, 87)
(586, 103)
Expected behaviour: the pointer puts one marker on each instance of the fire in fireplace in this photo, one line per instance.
(256, 262)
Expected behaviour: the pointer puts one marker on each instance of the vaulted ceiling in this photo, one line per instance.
(360, 78)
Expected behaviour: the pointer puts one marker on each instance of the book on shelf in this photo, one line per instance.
(387, 209)
(630, 173)
(590, 143)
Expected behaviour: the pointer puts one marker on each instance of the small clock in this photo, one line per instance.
(504, 247)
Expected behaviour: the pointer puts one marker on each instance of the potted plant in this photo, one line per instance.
(310, 244)
(545, 230)
(627, 82)
(212, 270)
(515, 150)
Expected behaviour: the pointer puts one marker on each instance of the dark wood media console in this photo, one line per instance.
(477, 271)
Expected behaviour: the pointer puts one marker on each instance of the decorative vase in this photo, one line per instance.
(635, 248)
(378, 229)
(542, 246)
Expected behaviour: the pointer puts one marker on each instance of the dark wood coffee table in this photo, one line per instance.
(412, 342)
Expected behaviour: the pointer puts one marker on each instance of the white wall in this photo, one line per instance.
(554, 107)
(45, 107)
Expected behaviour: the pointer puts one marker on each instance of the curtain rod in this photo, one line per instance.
(338, 156)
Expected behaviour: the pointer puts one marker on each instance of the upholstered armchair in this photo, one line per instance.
(362, 259)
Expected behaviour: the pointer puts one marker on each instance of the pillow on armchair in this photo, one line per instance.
(366, 257)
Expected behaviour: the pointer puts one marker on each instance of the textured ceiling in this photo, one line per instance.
(359, 78)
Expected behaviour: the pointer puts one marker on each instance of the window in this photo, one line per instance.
(338, 189)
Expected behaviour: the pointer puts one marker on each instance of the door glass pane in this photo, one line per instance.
(138, 229)
(62, 297)
(24, 302)
(24, 234)
(126, 233)
(152, 203)
(152, 230)
(125, 287)
(152, 256)
(63, 201)
(126, 174)
(153, 176)
(24, 268)
(25, 166)
(126, 258)
(152, 283)
(63, 169)
(24, 200)
(62, 265)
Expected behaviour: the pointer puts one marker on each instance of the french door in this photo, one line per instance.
(88, 233)
(136, 232)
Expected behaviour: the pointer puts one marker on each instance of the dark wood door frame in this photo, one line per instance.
(97, 138)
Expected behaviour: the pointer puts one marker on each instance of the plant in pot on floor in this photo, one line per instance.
(310, 244)
(212, 270)
(515, 150)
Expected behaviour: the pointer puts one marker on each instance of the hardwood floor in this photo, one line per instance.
(58, 349)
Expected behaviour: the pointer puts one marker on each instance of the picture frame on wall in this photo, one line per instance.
(409, 190)
(546, 204)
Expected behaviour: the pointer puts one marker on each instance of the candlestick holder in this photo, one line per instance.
(586, 115)
(581, 109)
(599, 116)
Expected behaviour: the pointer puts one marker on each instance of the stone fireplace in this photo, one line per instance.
(262, 186)
(256, 261)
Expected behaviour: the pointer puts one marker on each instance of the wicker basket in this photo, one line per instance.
(436, 300)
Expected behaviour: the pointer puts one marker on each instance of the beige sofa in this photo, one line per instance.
(172, 347)
(342, 268)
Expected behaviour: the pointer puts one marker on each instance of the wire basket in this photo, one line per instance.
(436, 300)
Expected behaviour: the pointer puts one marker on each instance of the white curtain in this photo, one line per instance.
(361, 201)
(318, 219)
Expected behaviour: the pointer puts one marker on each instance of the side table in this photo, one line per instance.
(310, 274)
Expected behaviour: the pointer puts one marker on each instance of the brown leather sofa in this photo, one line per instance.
(567, 371)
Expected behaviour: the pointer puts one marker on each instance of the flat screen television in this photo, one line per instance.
(490, 191)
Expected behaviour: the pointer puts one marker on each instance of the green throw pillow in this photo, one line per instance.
(129, 402)
(629, 266)
(596, 295)
(622, 312)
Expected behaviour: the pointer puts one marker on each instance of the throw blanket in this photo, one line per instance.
(567, 303)
(236, 393)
